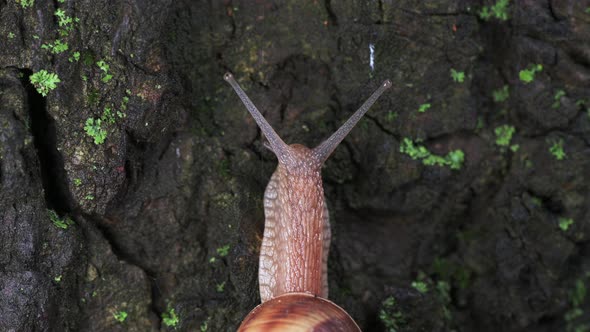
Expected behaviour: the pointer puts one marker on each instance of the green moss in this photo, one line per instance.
(454, 159)
(432, 160)
(391, 317)
(557, 151)
(220, 287)
(499, 11)
(557, 98)
(57, 221)
(56, 47)
(415, 152)
(501, 94)
(444, 296)
(480, 123)
(25, 3)
(170, 318)
(94, 129)
(224, 168)
(565, 223)
(223, 251)
(528, 75)
(93, 97)
(457, 76)
(88, 59)
(504, 135)
(108, 116)
(420, 286)
(74, 57)
(120, 316)
(424, 107)
(124, 102)
(572, 314)
(578, 294)
(104, 67)
(204, 325)
(391, 115)
(577, 297)
(44, 81)
(224, 199)
(65, 22)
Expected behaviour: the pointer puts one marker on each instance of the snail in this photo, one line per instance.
(293, 269)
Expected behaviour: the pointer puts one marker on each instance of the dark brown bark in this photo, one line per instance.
(182, 173)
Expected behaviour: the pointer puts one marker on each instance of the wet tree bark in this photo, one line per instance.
(111, 226)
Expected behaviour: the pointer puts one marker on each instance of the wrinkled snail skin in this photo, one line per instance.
(294, 253)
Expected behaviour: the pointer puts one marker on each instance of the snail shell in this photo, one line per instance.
(298, 312)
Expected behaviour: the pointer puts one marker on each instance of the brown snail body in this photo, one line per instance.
(294, 253)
